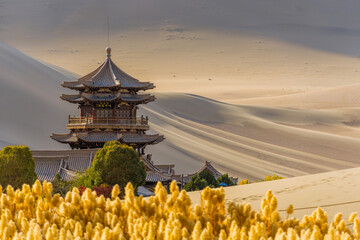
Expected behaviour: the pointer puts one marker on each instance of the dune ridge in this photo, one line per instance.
(245, 141)
(332, 191)
(327, 98)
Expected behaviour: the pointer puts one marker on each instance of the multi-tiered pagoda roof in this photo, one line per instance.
(108, 99)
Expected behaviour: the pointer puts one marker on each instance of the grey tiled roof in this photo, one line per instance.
(67, 175)
(210, 168)
(128, 81)
(73, 85)
(99, 136)
(141, 138)
(103, 78)
(65, 138)
(73, 98)
(68, 163)
(108, 75)
(108, 136)
(108, 97)
(156, 177)
(78, 163)
(137, 98)
(101, 97)
(49, 163)
(46, 169)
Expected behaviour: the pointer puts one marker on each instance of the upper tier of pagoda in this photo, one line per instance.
(108, 76)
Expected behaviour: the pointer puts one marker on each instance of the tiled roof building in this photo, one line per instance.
(68, 163)
(108, 99)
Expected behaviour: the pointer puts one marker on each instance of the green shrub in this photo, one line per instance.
(17, 166)
(196, 183)
(114, 164)
(61, 186)
(206, 179)
(225, 179)
(209, 178)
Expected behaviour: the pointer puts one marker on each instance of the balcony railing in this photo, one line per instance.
(139, 121)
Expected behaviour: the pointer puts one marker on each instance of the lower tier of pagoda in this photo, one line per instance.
(96, 139)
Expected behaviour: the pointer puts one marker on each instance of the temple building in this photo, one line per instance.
(108, 100)
(69, 163)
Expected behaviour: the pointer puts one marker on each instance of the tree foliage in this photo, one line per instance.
(209, 178)
(204, 179)
(196, 183)
(60, 185)
(225, 179)
(114, 164)
(17, 166)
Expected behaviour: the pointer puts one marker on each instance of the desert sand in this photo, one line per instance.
(326, 98)
(245, 141)
(335, 192)
(227, 52)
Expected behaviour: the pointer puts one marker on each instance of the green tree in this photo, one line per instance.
(225, 179)
(114, 164)
(196, 183)
(60, 185)
(209, 178)
(17, 166)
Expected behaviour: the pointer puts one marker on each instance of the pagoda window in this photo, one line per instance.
(123, 113)
(104, 113)
(86, 111)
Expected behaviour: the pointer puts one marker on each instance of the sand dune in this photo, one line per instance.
(221, 51)
(29, 100)
(249, 141)
(333, 191)
(338, 97)
(246, 141)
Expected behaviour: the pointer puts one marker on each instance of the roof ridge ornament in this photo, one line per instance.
(108, 52)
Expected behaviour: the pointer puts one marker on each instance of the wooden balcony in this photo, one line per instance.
(108, 122)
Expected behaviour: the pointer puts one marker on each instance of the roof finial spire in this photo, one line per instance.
(108, 52)
(108, 49)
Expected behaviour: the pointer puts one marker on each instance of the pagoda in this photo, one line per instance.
(108, 100)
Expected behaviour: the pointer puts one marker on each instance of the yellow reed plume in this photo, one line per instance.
(34, 213)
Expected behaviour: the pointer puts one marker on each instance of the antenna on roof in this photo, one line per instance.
(108, 49)
(108, 31)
